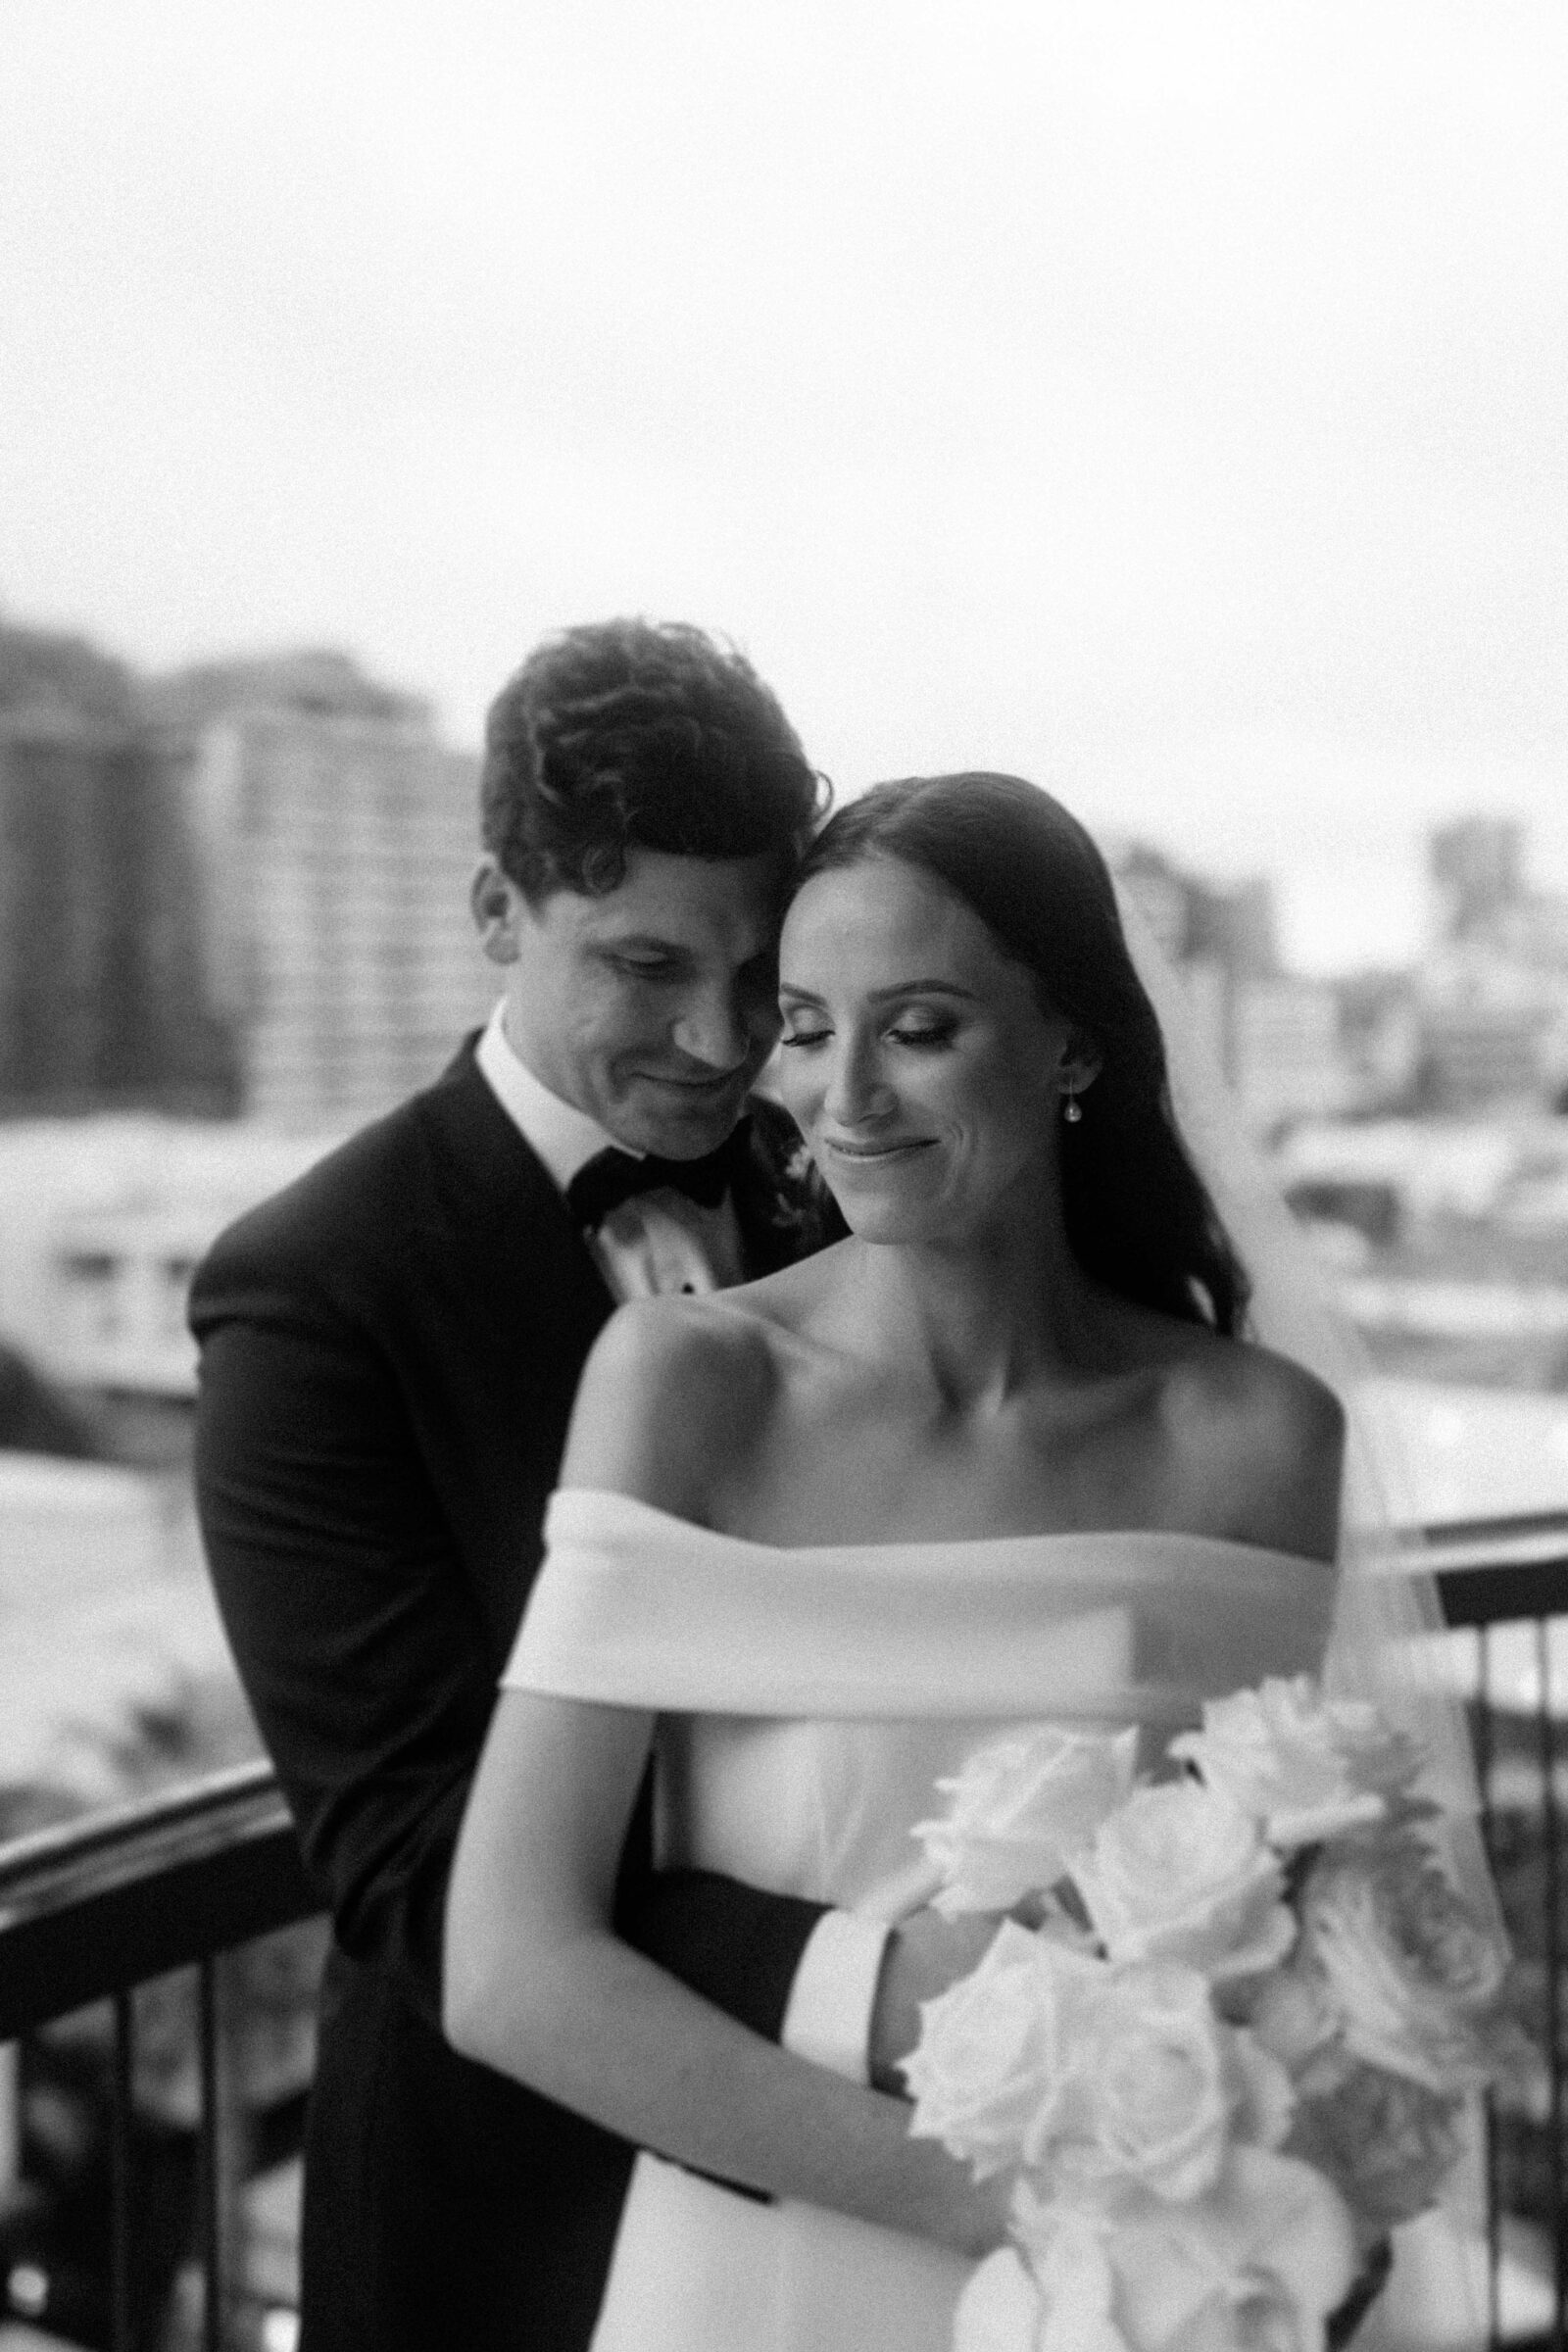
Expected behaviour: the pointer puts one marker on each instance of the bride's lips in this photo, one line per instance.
(875, 1156)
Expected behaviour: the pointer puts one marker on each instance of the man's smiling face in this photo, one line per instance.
(651, 1006)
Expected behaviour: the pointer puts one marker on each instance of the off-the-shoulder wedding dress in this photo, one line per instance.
(807, 1700)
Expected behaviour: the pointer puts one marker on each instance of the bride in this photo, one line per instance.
(999, 1455)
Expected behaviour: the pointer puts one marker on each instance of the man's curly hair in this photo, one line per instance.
(637, 734)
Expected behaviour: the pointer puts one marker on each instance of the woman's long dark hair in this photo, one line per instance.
(1137, 1218)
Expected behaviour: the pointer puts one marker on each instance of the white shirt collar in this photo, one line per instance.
(563, 1137)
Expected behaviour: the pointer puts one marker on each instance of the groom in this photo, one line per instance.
(389, 1353)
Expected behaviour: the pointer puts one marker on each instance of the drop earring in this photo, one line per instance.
(1072, 1110)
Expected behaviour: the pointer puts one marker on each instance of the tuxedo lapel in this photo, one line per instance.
(509, 1304)
(500, 1219)
(516, 1256)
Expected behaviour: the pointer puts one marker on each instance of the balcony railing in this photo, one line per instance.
(1504, 1589)
(102, 1911)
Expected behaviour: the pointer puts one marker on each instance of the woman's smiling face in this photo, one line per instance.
(916, 1056)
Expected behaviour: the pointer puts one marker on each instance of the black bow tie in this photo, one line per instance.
(610, 1177)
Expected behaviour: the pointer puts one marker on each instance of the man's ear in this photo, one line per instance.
(498, 905)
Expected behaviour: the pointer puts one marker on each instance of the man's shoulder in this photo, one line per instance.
(360, 1199)
(351, 1177)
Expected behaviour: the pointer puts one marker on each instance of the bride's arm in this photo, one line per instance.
(537, 1986)
(536, 1982)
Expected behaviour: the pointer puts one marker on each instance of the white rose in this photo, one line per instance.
(1180, 1873)
(1019, 1809)
(1252, 2312)
(994, 2051)
(1387, 2143)
(1058, 2300)
(1256, 2265)
(1263, 2096)
(1001, 2309)
(1157, 2091)
(1061, 2303)
(1411, 1980)
(1293, 2016)
(1305, 1766)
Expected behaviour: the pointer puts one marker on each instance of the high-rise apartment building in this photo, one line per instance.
(101, 994)
(335, 849)
(1477, 870)
(240, 889)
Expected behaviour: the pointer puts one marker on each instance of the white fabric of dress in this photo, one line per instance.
(807, 1700)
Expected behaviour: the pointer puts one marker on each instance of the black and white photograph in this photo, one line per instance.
(783, 1176)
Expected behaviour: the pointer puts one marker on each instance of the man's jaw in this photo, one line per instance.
(683, 1115)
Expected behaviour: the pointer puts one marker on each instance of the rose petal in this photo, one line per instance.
(1019, 1809)
(1000, 2309)
(1268, 2214)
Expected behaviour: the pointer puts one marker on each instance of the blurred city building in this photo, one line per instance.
(1279, 1039)
(334, 840)
(1289, 1058)
(1381, 1030)
(1491, 993)
(100, 988)
(1476, 868)
(336, 856)
(1476, 1027)
(1490, 1033)
(233, 925)
(241, 889)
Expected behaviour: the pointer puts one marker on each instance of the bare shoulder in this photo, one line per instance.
(1278, 1402)
(1268, 1436)
(674, 1389)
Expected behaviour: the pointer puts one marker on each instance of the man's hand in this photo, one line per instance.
(926, 1953)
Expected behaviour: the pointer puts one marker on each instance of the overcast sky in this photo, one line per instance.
(1166, 402)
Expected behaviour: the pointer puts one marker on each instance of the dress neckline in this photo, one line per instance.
(1138, 1538)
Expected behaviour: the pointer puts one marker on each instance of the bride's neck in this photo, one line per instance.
(983, 1318)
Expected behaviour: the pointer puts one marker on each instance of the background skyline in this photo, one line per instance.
(1167, 404)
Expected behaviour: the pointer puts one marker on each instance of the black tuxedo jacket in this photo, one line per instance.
(389, 1350)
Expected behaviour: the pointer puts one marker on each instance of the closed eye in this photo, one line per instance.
(923, 1038)
(647, 967)
(939, 1033)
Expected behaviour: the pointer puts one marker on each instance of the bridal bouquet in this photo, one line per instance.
(1234, 2041)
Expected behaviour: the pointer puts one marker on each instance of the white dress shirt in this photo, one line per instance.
(653, 1245)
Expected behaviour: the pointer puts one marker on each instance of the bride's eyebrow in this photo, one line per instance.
(885, 996)
(923, 988)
